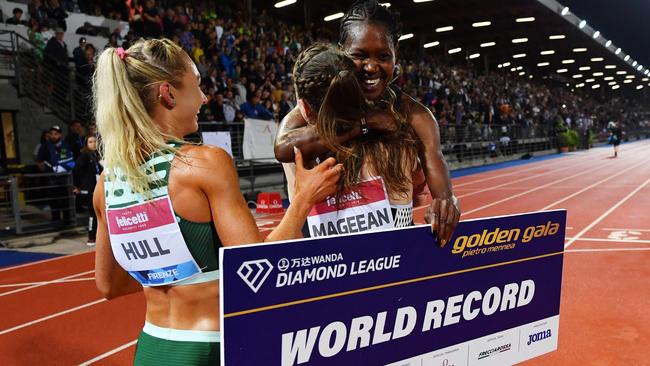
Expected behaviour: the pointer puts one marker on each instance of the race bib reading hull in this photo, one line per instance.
(362, 207)
(147, 242)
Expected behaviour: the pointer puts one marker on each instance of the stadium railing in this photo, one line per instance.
(36, 202)
(56, 87)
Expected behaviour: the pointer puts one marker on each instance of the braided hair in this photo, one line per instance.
(325, 78)
(370, 11)
(314, 72)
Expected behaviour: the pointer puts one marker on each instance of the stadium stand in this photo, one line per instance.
(488, 110)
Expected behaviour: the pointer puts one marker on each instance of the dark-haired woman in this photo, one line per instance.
(85, 174)
(368, 34)
(376, 188)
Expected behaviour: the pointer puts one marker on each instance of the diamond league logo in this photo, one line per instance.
(254, 273)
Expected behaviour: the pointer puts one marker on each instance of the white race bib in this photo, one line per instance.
(362, 207)
(147, 242)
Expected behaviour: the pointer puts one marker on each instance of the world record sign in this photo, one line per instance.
(489, 297)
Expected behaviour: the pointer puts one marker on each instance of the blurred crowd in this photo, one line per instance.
(246, 68)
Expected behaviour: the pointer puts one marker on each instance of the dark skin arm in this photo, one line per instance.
(294, 131)
(443, 214)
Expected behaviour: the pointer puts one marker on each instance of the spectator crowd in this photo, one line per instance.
(246, 68)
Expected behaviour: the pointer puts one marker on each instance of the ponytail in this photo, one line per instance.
(125, 92)
(342, 108)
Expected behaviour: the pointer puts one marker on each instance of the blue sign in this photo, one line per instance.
(490, 297)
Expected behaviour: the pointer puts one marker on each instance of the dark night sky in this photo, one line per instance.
(625, 22)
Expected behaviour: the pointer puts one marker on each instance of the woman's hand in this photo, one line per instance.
(314, 185)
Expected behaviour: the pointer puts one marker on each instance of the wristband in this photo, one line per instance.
(364, 126)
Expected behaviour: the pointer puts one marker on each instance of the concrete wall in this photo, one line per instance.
(31, 119)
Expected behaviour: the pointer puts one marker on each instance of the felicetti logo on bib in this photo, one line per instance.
(360, 208)
(147, 242)
(140, 217)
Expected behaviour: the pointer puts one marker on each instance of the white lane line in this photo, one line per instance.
(44, 284)
(43, 261)
(593, 185)
(47, 282)
(612, 240)
(611, 229)
(534, 176)
(606, 164)
(109, 353)
(544, 164)
(24, 325)
(607, 250)
(533, 189)
(541, 165)
(611, 209)
(574, 158)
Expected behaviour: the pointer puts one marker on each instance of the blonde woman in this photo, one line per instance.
(165, 207)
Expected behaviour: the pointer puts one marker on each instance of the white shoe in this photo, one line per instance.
(90, 244)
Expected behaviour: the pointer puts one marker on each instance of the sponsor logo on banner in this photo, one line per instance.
(494, 350)
(324, 267)
(392, 298)
(254, 273)
(499, 239)
(535, 337)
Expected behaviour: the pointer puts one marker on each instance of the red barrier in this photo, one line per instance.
(269, 202)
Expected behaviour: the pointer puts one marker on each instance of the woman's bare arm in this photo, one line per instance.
(294, 131)
(444, 213)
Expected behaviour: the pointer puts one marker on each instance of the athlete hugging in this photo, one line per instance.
(376, 186)
(349, 107)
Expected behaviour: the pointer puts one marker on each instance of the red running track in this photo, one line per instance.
(52, 313)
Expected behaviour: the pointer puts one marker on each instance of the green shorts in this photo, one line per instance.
(162, 346)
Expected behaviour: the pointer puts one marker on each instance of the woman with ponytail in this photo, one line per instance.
(376, 186)
(369, 34)
(165, 207)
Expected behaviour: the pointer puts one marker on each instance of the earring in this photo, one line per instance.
(168, 105)
(396, 72)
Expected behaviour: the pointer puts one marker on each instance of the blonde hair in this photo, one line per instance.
(125, 93)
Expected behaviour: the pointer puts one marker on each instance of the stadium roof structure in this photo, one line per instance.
(539, 39)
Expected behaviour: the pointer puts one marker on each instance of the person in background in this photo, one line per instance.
(229, 107)
(152, 24)
(37, 11)
(45, 136)
(92, 129)
(36, 38)
(286, 105)
(57, 51)
(79, 53)
(616, 135)
(17, 18)
(56, 13)
(85, 173)
(75, 138)
(55, 156)
(253, 109)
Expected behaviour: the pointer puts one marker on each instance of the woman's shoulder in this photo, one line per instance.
(204, 154)
(415, 110)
